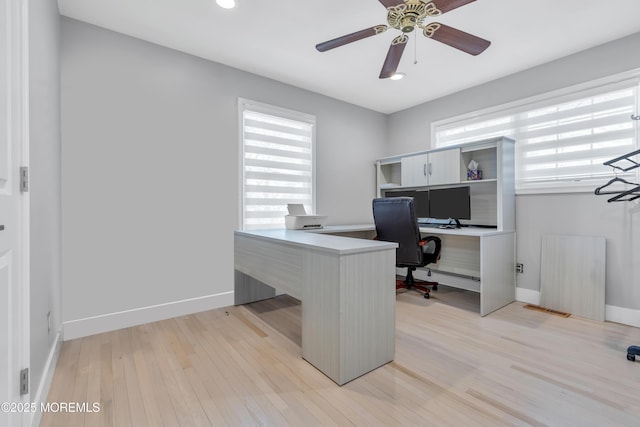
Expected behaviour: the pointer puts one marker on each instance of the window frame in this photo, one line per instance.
(280, 112)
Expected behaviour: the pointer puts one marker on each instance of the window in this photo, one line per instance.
(561, 139)
(277, 163)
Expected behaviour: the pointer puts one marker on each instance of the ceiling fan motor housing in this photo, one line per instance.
(407, 16)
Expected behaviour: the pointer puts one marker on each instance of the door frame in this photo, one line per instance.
(17, 56)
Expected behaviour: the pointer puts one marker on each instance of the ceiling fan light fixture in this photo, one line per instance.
(227, 4)
(397, 76)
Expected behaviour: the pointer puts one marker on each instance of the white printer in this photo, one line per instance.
(298, 219)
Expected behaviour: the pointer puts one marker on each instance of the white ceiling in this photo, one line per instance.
(277, 39)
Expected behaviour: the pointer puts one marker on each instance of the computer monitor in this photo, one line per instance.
(454, 203)
(420, 200)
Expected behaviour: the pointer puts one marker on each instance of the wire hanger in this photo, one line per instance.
(624, 163)
(625, 157)
(612, 181)
(625, 195)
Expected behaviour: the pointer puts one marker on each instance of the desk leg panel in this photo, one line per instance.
(321, 312)
(368, 307)
(348, 316)
(498, 277)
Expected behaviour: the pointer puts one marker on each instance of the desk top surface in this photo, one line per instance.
(322, 239)
(319, 241)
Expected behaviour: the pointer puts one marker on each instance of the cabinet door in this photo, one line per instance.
(414, 170)
(444, 167)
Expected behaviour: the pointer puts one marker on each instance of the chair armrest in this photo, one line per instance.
(431, 245)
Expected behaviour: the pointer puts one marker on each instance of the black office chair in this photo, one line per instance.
(396, 221)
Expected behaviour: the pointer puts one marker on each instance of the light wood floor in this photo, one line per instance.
(241, 366)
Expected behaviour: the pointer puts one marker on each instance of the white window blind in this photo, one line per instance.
(561, 141)
(277, 163)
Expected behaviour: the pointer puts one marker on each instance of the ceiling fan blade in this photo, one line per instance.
(393, 56)
(444, 6)
(391, 3)
(350, 38)
(466, 42)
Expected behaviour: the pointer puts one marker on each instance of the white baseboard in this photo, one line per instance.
(626, 316)
(528, 296)
(612, 313)
(47, 377)
(124, 319)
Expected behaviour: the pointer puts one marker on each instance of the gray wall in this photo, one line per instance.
(150, 168)
(44, 129)
(576, 214)
(150, 172)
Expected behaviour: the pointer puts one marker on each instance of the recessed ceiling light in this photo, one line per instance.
(227, 4)
(397, 76)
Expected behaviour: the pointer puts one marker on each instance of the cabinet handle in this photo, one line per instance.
(424, 169)
(430, 168)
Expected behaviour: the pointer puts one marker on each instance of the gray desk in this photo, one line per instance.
(473, 258)
(477, 259)
(346, 289)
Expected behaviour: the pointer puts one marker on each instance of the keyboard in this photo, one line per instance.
(427, 225)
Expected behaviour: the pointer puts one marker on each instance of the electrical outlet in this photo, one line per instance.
(519, 268)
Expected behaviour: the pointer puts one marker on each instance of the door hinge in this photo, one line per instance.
(24, 381)
(24, 179)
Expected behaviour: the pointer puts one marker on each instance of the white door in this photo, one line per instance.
(12, 207)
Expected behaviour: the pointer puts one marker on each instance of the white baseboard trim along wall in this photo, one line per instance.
(528, 296)
(622, 315)
(46, 379)
(626, 316)
(125, 319)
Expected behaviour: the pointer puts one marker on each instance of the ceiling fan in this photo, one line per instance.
(406, 15)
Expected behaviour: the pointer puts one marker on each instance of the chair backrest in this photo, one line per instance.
(395, 220)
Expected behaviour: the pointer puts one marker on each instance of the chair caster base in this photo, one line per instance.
(426, 295)
(632, 352)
